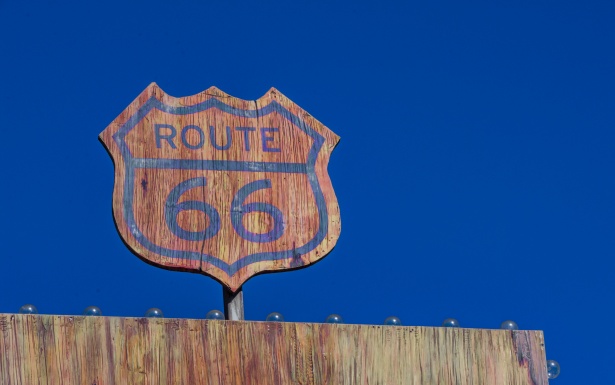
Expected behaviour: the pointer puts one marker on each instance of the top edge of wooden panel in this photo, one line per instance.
(154, 319)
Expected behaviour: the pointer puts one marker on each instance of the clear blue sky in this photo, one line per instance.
(475, 173)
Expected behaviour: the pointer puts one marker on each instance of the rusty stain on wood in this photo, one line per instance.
(65, 350)
(226, 187)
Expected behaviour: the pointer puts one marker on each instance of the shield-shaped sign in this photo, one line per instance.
(227, 187)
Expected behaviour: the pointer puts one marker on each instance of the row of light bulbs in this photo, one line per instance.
(553, 368)
(273, 317)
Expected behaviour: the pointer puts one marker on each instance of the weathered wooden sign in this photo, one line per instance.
(227, 187)
(46, 349)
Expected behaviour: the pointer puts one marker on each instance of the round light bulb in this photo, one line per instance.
(553, 369)
(28, 309)
(509, 325)
(214, 315)
(154, 313)
(92, 311)
(393, 321)
(275, 317)
(334, 319)
(450, 323)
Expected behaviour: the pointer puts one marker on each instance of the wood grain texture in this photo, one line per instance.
(107, 350)
(226, 187)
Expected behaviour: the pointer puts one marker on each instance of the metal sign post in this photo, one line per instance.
(233, 304)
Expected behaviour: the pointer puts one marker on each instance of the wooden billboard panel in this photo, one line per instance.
(64, 350)
(226, 187)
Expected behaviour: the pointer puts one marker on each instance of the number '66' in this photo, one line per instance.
(238, 209)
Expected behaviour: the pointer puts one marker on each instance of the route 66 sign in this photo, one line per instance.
(226, 187)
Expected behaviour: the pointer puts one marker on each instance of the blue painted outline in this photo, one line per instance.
(130, 164)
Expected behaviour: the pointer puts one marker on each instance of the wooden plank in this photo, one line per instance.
(45, 349)
(226, 187)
